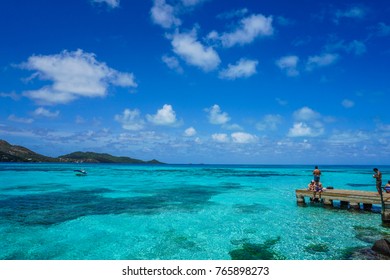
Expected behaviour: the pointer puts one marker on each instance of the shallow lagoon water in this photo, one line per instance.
(186, 212)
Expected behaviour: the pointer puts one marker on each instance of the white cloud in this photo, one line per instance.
(130, 119)
(42, 112)
(163, 14)
(233, 126)
(121, 79)
(348, 103)
(189, 3)
(233, 14)
(216, 116)
(301, 129)
(355, 47)
(244, 68)
(164, 116)
(172, 63)
(269, 122)
(281, 102)
(322, 60)
(306, 123)
(289, 65)
(12, 95)
(283, 21)
(73, 75)
(306, 114)
(110, 3)
(243, 138)
(354, 12)
(347, 138)
(220, 137)
(383, 127)
(14, 118)
(382, 29)
(193, 52)
(249, 29)
(189, 132)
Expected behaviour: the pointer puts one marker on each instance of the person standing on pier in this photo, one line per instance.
(317, 174)
(378, 177)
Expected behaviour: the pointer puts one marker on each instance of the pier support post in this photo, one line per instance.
(300, 200)
(354, 205)
(385, 210)
(328, 202)
(367, 206)
(386, 214)
(344, 204)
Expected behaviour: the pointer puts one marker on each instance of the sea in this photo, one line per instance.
(180, 212)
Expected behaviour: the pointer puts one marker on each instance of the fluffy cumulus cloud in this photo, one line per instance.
(216, 116)
(42, 112)
(193, 52)
(307, 123)
(243, 138)
(110, 3)
(300, 129)
(269, 122)
(130, 119)
(164, 116)
(289, 65)
(189, 132)
(220, 137)
(246, 32)
(163, 14)
(322, 60)
(73, 75)
(172, 63)
(244, 68)
(306, 114)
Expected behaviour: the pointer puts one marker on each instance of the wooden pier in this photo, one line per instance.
(350, 199)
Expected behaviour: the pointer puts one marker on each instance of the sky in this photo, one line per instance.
(198, 81)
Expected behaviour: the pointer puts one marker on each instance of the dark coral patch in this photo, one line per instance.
(255, 208)
(250, 251)
(317, 248)
(57, 207)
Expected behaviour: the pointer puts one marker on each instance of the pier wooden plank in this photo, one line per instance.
(351, 197)
(347, 195)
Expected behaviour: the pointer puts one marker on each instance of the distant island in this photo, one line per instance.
(14, 153)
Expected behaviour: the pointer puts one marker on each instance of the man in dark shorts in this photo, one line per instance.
(317, 174)
(378, 177)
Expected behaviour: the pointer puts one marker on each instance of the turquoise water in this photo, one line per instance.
(188, 212)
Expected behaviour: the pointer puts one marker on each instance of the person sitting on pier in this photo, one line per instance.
(318, 189)
(387, 187)
(311, 186)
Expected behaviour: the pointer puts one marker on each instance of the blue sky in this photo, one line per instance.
(198, 81)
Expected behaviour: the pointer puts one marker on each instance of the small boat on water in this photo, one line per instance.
(81, 172)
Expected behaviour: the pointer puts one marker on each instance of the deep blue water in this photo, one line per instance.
(185, 212)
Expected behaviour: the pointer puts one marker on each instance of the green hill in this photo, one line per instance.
(14, 153)
(101, 158)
